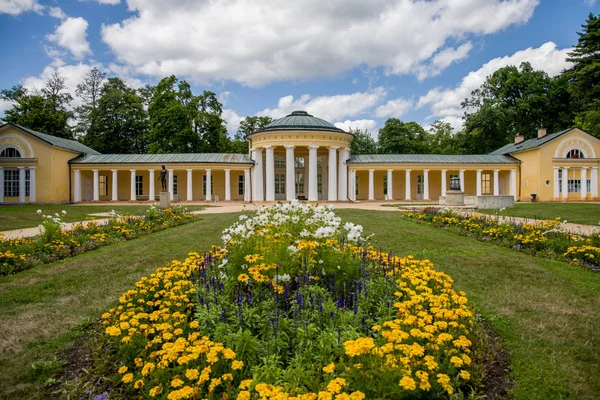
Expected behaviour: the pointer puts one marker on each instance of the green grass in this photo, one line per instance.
(547, 312)
(578, 213)
(25, 215)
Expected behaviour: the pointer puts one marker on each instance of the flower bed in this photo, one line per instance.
(55, 243)
(295, 305)
(544, 238)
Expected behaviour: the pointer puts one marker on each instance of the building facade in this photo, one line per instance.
(295, 157)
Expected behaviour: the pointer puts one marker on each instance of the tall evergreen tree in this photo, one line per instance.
(89, 91)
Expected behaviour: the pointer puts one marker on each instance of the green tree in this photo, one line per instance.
(209, 124)
(119, 123)
(442, 140)
(89, 91)
(247, 126)
(397, 137)
(363, 142)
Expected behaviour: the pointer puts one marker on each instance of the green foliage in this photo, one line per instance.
(398, 137)
(363, 142)
(247, 126)
(89, 91)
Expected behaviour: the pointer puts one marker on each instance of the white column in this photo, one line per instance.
(594, 183)
(556, 184)
(290, 165)
(461, 175)
(227, 185)
(171, 185)
(132, 195)
(258, 190)
(371, 184)
(2, 184)
(247, 190)
(352, 185)
(496, 183)
(208, 185)
(270, 173)
(190, 186)
(343, 174)
(152, 190)
(96, 192)
(513, 183)
(583, 183)
(332, 175)
(115, 185)
(426, 184)
(313, 195)
(407, 185)
(31, 185)
(478, 182)
(390, 184)
(565, 183)
(443, 183)
(76, 187)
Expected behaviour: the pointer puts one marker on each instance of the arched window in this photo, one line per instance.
(10, 152)
(575, 153)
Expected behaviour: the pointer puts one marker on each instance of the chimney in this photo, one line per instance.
(541, 132)
(519, 138)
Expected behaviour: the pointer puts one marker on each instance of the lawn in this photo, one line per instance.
(547, 312)
(25, 215)
(578, 213)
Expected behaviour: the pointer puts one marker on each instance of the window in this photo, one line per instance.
(279, 183)
(299, 182)
(10, 153)
(319, 162)
(174, 185)
(385, 185)
(560, 181)
(103, 185)
(356, 185)
(299, 162)
(575, 153)
(279, 162)
(139, 185)
(212, 185)
(27, 182)
(11, 183)
(420, 184)
(574, 185)
(241, 185)
(486, 183)
(320, 183)
(588, 185)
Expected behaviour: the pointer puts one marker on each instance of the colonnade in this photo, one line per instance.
(561, 183)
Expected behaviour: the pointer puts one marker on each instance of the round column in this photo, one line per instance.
(290, 166)
(313, 194)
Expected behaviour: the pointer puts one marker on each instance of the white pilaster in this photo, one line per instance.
(270, 173)
(371, 184)
(2, 184)
(227, 185)
(313, 195)
(115, 185)
(76, 186)
(444, 183)
(565, 183)
(425, 184)
(132, 195)
(556, 184)
(332, 175)
(390, 184)
(496, 183)
(343, 174)
(21, 184)
(258, 190)
(478, 182)
(247, 190)
(152, 190)
(96, 190)
(171, 185)
(290, 165)
(190, 185)
(407, 185)
(208, 185)
(583, 183)
(352, 185)
(31, 185)
(513, 183)
(594, 183)
(461, 175)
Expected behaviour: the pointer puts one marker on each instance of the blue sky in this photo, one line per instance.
(354, 63)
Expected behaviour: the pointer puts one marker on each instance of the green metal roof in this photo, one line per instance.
(207, 158)
(67, 144)
(529, 144)
(431, 159)
(300, 120)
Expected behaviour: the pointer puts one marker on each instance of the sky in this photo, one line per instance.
(355, 63)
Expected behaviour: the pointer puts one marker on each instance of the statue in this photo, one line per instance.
(163, 178)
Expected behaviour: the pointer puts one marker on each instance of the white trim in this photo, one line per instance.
(564, 155)
(12, 135)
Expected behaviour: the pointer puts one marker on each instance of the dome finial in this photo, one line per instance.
(300, 113)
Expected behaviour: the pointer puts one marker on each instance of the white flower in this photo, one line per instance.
(39, 211)
(320, 261)
(64, 212)
(292, 249)
(282, 278)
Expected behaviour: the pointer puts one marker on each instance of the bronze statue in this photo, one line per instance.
(163, 178)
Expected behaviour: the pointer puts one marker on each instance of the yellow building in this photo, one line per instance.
(295, 157)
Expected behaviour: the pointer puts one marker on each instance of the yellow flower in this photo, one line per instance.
(245, 384)
(138, 384)
(243, 395)
(155, 391)
(176, 382)
(192, 374)
(465, 375)
(194, 324)
(243, 278)
(123, 369)
(148, 369)
(408, 383)
(358, 395)
(127, 378)
(235, 365)
(329, 368)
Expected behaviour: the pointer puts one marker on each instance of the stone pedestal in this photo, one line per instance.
(455, 198)
(165, 202)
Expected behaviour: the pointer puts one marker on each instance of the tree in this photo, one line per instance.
(209, 124)
(363, 142)
(119, 123)
(397, 137)
(442, 140)
(247, 126)
(88, 91)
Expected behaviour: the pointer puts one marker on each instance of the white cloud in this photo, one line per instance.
(444, 59)
(256, 43)
(4, 105)
(330, 108)
(362, 124)
(394, 108)
(109, 2)
(56, 12)
(71, 35)
(16, 7)
(590, 2)
(232, 120)
(445, 102)
(224, 97)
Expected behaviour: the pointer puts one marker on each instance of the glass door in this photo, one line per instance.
(420, 186)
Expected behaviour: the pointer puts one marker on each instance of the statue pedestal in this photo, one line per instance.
(165, 202)
(455, 198)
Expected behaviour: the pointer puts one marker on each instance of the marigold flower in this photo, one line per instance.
(127, 378)
(408, 383)
(138, 384)
(329, 368)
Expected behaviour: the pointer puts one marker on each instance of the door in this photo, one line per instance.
(420, 187)
(300, 185)
(279, 186)
(88, 190)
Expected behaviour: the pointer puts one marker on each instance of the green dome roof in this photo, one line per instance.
(300, 120)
